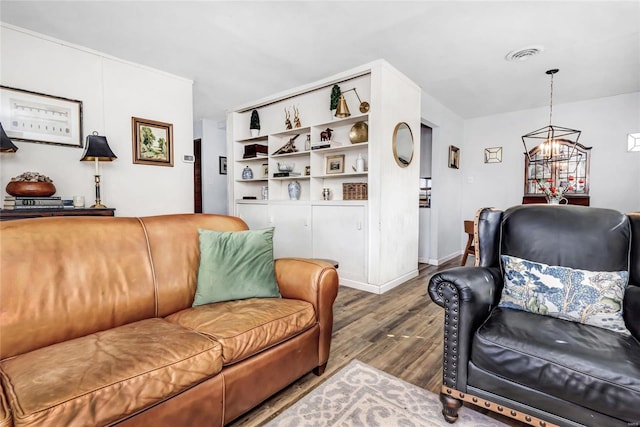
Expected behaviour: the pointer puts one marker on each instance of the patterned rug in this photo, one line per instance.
(359, 395)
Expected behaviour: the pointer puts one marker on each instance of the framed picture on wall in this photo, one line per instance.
(222, 165)
(454, 157)
(38, 117)
(152, 142)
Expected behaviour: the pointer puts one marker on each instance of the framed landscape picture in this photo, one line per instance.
(37, 117)
(152, 142)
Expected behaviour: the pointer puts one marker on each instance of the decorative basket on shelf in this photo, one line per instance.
(354, 191)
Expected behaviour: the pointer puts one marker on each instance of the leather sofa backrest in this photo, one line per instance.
(634, 268)
(64, 277)
(579, 237)
(174, 248)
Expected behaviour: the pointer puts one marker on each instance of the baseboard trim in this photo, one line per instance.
(379, 289)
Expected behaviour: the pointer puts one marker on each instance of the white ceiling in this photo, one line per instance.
(240, 51)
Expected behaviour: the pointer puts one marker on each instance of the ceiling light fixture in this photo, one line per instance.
(550, 148)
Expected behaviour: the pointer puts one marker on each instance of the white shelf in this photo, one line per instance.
(289, 178)
(253, 160)
(253, 180)
(296, 154)
(346, 121)
(342, 175)
(253, 140)
(342, 148)
(295, 131)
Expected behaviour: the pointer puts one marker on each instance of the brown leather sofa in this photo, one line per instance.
(97, 328)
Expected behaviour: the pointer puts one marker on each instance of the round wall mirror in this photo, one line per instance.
(402, 144)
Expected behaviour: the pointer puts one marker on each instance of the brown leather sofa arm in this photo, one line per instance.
(316, 282)
(467, 294)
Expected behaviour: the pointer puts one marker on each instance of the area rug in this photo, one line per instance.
(359, 395)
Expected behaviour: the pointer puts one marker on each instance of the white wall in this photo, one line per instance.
(604, 122)
(446, 228)
(112, 91)
(214, 185)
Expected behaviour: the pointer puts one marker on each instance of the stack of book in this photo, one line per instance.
(53, 202)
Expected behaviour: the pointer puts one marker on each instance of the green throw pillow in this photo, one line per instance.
(235, 265)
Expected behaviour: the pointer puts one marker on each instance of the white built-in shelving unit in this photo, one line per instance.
(374, 240)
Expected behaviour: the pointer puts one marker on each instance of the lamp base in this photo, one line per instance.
(98, 205)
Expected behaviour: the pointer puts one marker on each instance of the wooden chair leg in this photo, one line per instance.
(450, 407)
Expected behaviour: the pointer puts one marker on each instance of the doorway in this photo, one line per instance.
(424, 218)
(197, 176)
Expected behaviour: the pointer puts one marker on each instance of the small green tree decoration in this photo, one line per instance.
(335, 95)
(255, 120)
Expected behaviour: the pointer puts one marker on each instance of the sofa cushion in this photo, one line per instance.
(235, 265)
(104, 377)
(588, 366)
(591, 297)
(247, 327)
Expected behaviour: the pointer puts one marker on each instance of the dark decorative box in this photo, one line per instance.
(255, 150)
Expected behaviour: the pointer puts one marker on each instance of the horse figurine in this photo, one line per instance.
(287, 121)
(325, 135)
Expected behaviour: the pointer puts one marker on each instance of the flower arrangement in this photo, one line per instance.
(553, 191)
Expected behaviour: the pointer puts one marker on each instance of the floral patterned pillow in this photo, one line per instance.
(589, 297)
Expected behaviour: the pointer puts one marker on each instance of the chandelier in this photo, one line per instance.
(550, 147)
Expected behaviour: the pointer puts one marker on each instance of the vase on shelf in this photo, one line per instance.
(557, 200)
(294, 190)
(247, 173)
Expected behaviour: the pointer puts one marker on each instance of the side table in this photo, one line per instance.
(10, 214)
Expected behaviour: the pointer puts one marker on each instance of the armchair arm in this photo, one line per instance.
(631, 310)
(468, 294)
(316, 282)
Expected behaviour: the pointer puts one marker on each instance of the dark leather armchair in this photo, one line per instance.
(539, 369)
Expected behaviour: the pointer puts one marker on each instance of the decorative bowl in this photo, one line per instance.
(31, 188)
(286, 167)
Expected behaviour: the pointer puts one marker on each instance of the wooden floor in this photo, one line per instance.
(399, 332)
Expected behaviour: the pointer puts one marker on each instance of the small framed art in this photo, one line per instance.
(335, 164)
(222, 165)
(454, 157)
(493, 155)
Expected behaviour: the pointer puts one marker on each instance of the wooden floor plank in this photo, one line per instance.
(399, 332)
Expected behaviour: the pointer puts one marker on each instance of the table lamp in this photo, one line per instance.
(6, 146)
(97, 149)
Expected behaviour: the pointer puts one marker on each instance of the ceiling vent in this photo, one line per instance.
(523, 54)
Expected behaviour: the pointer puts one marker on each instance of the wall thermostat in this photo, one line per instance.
(188, 158)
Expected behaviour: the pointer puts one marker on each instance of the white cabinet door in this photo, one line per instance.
(339, 234)
(292, 235)
(255, 215)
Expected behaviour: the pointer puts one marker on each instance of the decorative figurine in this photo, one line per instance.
(289, 147)
(296, 117)
(325, 135)
(287, 121)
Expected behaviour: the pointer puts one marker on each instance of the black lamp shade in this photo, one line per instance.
(6, 146)
(97, 147)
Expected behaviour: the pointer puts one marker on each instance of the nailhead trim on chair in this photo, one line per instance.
(512, 413)
(450, 370)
